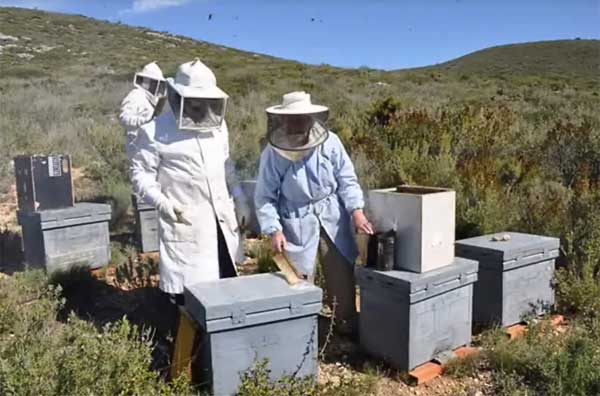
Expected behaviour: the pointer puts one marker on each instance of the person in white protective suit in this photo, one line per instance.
(182, 167)
(142, 103)
(308, 199)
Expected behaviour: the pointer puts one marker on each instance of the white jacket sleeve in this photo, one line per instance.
(144, 170)
(233, 182)
(136, 109)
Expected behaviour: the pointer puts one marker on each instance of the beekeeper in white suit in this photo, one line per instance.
(142, 103)
(185, 171)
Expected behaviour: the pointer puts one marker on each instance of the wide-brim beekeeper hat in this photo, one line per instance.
(195, 80)
(294, 107)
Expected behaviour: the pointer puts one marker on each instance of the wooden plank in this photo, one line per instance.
(181, 362)
(287, 268)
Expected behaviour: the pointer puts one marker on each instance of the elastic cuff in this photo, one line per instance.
(271, 230)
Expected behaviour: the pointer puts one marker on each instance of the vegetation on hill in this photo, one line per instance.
(515, 130)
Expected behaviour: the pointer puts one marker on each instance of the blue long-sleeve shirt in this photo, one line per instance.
(298, 198)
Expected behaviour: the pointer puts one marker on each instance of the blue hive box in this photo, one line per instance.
(146, 225)
(59, 239)
(250, 318)
(515, 276)
(408, 319)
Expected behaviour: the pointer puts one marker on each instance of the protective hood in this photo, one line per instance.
(151, 80)
(197, 103)
(297, 124)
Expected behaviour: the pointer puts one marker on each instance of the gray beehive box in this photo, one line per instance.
(408, 319)
(146, 225)
(515, 276)
(246, 319)
(59, 239)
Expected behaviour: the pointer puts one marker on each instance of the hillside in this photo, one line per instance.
(574, 58)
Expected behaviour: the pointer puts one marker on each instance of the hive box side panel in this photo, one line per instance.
(439, 324)
(81, 245)
(404, 215)
(147, 229)
(438, 228)
(33, 243)
(384, 326)
(527, 291)
(487, 297)
(24, 183)
(289, 346)
(53, 182)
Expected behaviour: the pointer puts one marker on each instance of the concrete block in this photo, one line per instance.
(408, 319)
(515, 276)
(59, 239)
(246, 319)
(424, 220)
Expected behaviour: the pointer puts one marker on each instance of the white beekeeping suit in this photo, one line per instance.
(186, 172)
(142, 103)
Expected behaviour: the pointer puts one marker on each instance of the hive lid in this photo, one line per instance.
(420, 286)
(80, 213)
(521, 249)
(249, 300)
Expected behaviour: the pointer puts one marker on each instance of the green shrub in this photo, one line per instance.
(547, 363)
(544, 362)
(40, 356)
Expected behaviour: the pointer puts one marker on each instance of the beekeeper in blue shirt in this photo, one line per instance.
(308, 199)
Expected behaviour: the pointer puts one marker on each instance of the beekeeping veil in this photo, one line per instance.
(296, 126)
(197, 103)
(151, 80)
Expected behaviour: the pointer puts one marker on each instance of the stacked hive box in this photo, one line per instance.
(423, 218)
(247, 319)
(423, 308)
(43, 182)
(146, 225)
(515, 275)
(57, 233)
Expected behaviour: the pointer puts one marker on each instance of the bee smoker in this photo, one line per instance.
(380, 251)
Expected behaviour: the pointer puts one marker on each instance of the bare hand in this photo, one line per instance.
(278, 242)
(361, 223)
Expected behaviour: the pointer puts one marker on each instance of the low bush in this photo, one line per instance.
(544, 362)
(41, 356)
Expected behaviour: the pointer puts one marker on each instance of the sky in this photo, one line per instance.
(382, 34)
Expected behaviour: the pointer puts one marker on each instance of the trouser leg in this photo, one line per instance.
(339, 282)
(226, 265)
